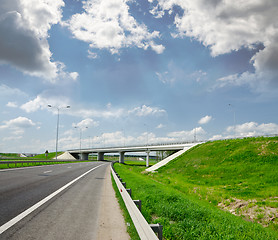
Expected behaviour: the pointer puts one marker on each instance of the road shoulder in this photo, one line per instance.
(111, 221)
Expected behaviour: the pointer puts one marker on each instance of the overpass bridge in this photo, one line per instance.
(84, 153)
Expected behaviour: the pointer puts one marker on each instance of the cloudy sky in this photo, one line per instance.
(136, 72)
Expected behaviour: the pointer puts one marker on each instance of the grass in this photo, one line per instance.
(189, 194)
(9, 155)
(51, 156)
(130, 226)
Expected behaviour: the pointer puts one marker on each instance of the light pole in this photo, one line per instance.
(195, 138)
(147, 133)
(58, 110)
(80, 129)
(233, 108)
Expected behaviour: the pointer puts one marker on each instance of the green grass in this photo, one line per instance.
(245, 168)
(31, 164)
(130, 226)
(51, 156)
(187, 194)
(9, 155)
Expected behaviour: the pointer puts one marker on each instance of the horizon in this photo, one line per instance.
(135, 72)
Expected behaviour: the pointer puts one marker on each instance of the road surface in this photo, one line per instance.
(54, 202)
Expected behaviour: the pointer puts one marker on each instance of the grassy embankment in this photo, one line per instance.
(197, 195)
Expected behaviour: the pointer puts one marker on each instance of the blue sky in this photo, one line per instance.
(136, 72)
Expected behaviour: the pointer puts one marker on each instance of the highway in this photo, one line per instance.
(55, 202)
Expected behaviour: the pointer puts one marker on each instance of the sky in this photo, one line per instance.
(136, 72)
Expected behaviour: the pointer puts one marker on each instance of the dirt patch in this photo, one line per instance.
(251, 210)
(263, 149)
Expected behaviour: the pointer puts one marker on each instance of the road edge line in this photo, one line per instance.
(22, 215)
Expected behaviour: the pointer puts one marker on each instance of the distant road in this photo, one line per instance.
(70, 214)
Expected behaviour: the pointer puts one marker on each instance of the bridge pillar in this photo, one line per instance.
(100, 156)
(122, 157)
(84, 156)
(147, 159)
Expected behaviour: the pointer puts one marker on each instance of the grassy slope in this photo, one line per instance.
(184, 195)
(9, 155)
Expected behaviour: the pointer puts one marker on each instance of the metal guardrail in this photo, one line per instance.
(144, 230)
(33, 161)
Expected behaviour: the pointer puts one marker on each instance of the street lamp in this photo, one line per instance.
(80, 137)
(58, 110)
(233, 108)
(147, 133)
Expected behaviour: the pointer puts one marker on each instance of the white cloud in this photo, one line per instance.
(226, 26)
(160, 126)
(34, 105)
(107, 24)
(205, 119)
(7, 91)
(146, 110)
(42, 102)
(18, 125)
(118, 138)
(198, 75)
(92, 55)
(12, 104)
(199, 132)
(250, 129)
(165, 77)
(86, 123)
(216, 137)
(27, 23)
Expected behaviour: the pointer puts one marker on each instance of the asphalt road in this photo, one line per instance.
(70, 214)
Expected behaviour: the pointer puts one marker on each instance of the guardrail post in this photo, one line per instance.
(129, 191)
(142, 227)
(157, 228)
(138, 203)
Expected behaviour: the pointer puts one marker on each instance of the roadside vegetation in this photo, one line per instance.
(218, 190)
(38, 158)
(130, 226)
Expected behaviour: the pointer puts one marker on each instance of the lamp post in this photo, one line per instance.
(58, 110)
(80, 129)
(147, 133)
(233, 108)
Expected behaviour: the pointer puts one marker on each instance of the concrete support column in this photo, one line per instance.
(147, 160)
(122, 157)
(84, 156)
(100, 156)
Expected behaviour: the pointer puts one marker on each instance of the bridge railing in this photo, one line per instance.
(138, 146)
(176, 142)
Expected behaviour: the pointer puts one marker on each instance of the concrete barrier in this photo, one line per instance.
(171, 157)
(144, 230)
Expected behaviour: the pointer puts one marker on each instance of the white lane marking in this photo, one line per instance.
(69, 167)
(48, 171)
(22, 215)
